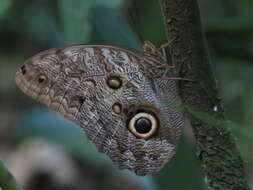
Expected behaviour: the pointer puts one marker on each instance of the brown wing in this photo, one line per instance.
(130, 115)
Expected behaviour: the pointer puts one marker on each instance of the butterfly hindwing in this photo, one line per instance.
(129, 113)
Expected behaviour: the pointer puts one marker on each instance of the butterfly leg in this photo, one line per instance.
(166, 51)
(149, 47)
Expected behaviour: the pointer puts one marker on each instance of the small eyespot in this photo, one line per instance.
(114, 82)
(23, 69)
(41, 79)
(117, 108)
(143, 125)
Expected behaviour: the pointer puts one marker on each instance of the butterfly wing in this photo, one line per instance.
(128, 113)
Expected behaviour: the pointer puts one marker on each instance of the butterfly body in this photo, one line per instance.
(116, 95)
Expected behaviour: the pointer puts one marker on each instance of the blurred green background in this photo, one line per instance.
(43, 151)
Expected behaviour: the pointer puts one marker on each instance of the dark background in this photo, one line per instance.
(43, 151)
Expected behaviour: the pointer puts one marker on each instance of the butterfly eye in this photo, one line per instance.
(143, 125)
(42, 78)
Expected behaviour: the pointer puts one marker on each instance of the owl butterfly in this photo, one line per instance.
(123, 99)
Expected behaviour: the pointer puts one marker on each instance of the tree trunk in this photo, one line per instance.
(219, 157)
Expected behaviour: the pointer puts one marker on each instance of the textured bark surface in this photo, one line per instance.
(220, 160)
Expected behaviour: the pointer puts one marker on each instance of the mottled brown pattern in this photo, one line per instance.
(75, 84)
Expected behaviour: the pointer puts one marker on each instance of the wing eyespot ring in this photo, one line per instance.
(143, 125)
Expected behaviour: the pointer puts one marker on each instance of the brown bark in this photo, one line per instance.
(219, 157)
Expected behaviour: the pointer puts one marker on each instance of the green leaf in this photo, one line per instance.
(7, 182)
(110, 27)
(75, 18)
(4, 6)
(182, 172)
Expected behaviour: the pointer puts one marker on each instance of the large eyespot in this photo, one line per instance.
(143, 125)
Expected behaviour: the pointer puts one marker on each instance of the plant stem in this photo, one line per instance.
(219, 157)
